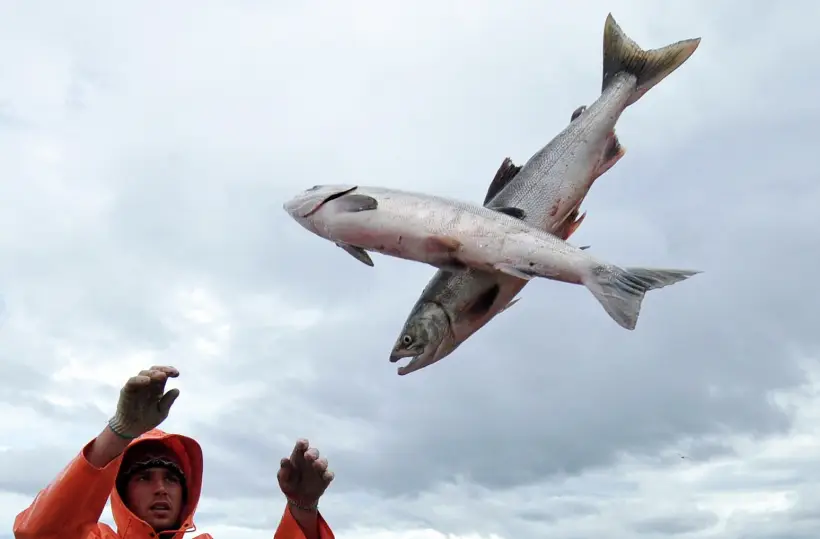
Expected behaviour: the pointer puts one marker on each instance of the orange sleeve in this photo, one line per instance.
(71, 505)
(290, 529)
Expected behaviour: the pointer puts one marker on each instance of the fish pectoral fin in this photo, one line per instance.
(517, 213)
(442, 244)
(483, 303)
(513, 271)
(355, 203)
(356, 252)
(584, 247)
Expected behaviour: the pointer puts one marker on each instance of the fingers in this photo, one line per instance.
(170, 372)
(167, 400)
(312, 455)
(327, 477)
(285, 471)
(297, 457)
(136, 383)
(320, 466)
(156, 375)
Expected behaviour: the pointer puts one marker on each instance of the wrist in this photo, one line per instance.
(106, 447)
(117, 428)
(301, 504)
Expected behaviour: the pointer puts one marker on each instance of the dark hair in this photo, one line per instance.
(130, 466)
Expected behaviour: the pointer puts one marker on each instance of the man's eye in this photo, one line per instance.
(172, 478)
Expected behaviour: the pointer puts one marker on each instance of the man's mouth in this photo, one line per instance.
(160, 506)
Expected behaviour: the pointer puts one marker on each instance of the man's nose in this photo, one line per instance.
(158, 484)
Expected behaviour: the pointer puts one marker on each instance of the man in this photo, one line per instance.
(154, 479)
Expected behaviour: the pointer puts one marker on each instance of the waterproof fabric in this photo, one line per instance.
(71, 506)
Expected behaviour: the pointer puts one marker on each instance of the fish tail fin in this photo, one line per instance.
(622, 54)
(621, 290)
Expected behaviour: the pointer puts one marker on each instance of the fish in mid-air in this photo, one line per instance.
(455, 235)
(456, 304)
(548, 190)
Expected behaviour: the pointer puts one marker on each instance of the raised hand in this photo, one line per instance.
(304, 476)
(143, 403)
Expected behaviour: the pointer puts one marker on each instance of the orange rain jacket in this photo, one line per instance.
(71, 506)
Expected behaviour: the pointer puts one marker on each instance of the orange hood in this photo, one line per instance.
(189, 454)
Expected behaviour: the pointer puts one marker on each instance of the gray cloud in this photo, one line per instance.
(680, 524)
(27, 471)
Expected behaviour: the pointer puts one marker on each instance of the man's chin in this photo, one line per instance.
(161, 523)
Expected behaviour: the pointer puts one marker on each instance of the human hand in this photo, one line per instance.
(142, 405)
(304, 477)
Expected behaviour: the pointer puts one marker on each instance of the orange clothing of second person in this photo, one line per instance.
(71, 506)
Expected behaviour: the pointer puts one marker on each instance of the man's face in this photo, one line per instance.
(155, 495)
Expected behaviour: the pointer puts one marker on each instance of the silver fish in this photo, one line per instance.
(456, 235)
(628, 73)
(454, 305)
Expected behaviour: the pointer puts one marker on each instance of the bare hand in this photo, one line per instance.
(304, 476)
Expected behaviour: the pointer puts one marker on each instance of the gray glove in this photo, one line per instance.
(142, 405)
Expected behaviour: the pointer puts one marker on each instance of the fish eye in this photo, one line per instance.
(577, 112)
(407, 340)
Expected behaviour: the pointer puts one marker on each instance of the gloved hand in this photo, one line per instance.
(142, 405)
(304, 476)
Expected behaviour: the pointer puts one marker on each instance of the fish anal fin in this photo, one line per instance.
(572, 225)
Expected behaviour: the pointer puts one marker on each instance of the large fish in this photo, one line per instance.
(456, 304)
(549, 191)
(456, 235)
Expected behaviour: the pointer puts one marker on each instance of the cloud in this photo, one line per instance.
(146, 160)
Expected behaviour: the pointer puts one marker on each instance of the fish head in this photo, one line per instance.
(426, 337)
(304, 206)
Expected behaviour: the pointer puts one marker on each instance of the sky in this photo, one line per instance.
(146, 149)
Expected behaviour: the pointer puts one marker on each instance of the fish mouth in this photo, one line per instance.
(401, 354)
(417, 360)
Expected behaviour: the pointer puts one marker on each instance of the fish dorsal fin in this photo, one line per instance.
(506, 172)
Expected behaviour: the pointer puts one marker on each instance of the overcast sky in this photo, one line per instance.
(145, 153)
